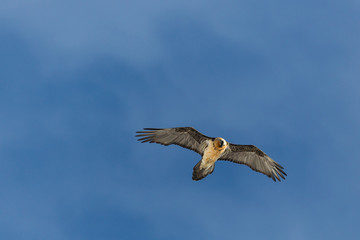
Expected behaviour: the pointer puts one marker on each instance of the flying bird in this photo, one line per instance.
(213, 149)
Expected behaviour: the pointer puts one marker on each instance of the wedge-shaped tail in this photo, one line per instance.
(199, 173)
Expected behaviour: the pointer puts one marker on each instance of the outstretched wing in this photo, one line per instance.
(254, 158)
(186, 137)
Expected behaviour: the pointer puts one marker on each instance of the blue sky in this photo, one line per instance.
(78, 78)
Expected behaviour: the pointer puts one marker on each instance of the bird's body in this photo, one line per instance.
(212, 153)
(213, 149)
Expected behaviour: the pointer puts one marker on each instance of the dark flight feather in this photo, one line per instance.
(256, 159)
(186, 137)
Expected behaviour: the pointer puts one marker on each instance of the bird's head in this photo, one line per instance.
(220, 143)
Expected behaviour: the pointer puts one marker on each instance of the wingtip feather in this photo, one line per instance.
(142, 135)
(282, 172)
(144, 138)
(273, 178)
(279, 173)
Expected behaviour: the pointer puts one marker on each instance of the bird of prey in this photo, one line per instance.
(213, 149)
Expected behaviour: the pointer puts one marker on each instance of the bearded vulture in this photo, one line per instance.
(213, 149)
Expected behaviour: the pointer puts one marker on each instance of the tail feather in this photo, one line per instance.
(199, 174)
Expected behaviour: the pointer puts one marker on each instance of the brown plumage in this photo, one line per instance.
(213, 149)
